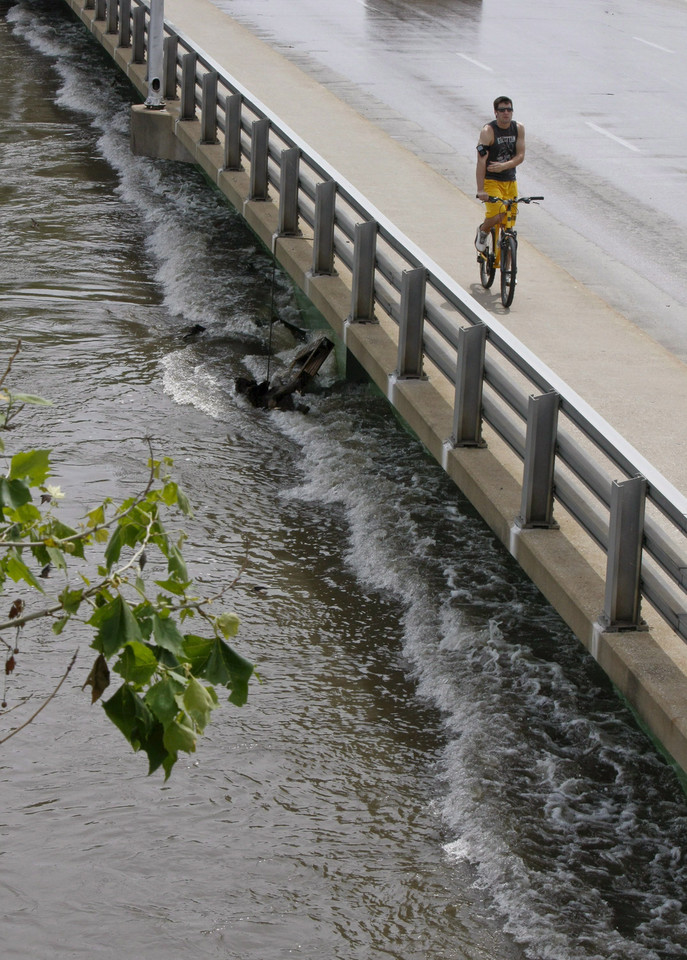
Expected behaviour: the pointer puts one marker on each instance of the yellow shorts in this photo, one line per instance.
(500, 188)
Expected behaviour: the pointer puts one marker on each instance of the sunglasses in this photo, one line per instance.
(504, 109)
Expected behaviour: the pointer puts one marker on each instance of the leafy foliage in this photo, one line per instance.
(167, 693)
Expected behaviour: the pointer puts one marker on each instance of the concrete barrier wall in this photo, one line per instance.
(648, 667)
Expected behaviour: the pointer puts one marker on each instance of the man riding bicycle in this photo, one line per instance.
(500, 150)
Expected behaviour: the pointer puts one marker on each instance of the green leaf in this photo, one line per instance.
(142, 612)
(70, 600)
(13, 493)
(133, 528)
(30, 398)
(167, 635)
(129, 713)
(34, 464)
(199, 702)
(216, 661)
(183, 503)
(179, 736)
(170, 493)
(170, 758)
(136, 664)
(176, 565)
(60, 531)
(161, 698)
(157, 753)
(228, 624)
(116, 626)
(28, 514)
(97, 516)
(114, 548)
(171, 586)
(16, 570)
(57, 558)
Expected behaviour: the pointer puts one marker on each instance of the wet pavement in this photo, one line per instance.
(597, 86)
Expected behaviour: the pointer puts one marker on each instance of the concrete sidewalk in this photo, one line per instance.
(633, 382)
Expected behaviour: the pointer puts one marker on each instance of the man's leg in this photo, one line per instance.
(495, 213)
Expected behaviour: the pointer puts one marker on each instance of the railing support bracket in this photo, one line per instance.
(536, 508)
(624, 560)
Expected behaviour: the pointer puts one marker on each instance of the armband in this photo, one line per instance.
(482, 150)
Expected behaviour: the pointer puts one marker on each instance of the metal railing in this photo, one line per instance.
(570, 454)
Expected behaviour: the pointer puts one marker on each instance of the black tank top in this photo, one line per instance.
(502, 149)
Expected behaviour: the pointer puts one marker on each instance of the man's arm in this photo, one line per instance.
(516, 160)
(486, 138)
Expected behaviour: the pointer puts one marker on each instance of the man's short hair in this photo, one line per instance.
(502, 100)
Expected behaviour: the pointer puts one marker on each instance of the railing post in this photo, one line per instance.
(323, 239)
(156, 32)
(288, 192)
(624, 560)
(125, 23)
(232, 131)
(112, 16)
(171, 48)
(208, 110)
(188, 87)
(411, 324)
(536, 509)
(467, 410)
(139, 35)
(100, 10)
(259, 140)
(364, 260)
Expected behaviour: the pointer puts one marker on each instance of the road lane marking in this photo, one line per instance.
(656, 45)
(612, 136)
(482, 66)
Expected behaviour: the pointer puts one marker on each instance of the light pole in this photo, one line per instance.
(156, 29)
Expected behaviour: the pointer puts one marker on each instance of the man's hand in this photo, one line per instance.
(498, 167)
(481, 195)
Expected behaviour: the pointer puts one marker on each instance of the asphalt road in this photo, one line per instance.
(600, 87)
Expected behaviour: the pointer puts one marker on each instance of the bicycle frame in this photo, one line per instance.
(503, 249)
(507, 225)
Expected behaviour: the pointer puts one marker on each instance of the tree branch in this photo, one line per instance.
(45, 702)
(10, 362)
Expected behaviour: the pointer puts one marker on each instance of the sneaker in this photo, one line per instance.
(481, 240)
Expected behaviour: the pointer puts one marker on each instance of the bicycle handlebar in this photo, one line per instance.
(514, 200)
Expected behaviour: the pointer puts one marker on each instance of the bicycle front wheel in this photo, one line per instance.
(509, 248)
(487, 260)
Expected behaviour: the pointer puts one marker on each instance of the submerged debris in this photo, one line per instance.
(298, 332)
(279, 391)
(193, 331)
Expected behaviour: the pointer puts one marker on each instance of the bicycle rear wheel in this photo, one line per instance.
(508, 270)
(487, 268)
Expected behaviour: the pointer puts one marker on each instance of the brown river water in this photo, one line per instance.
(431, 767)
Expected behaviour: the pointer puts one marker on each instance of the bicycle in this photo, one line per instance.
(502, 251)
